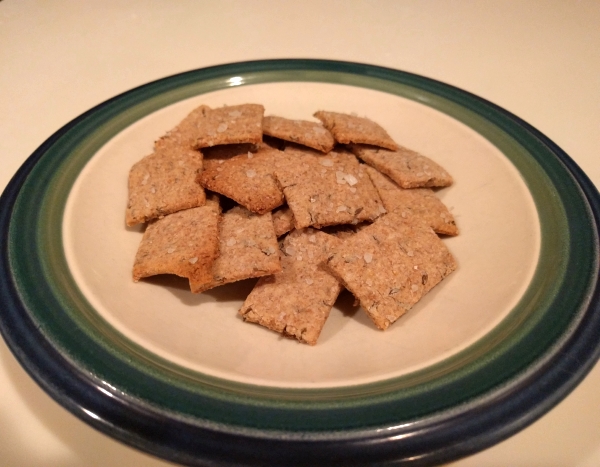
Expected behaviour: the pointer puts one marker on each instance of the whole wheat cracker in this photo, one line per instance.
(165, 181)
(389, 265)
(247, 248)
(307, 133)
(230, 125)
(297, 301)
(327, 189)
(247, 179)
(348, 129)
(406, 167)
(421, 202)
(185, 243)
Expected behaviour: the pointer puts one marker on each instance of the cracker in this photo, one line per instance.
(304, 132)
(247, 179)
(230, 125)
(219, 154)
(165, 181)
(390, 265)
(297, 301)
(247, 248)
(421, 202)
(327, 189)
(283, 220)
(348, 129)
(407, 168)
(185, 243)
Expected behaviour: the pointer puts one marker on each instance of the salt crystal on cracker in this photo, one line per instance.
(165, 181)
(304, 132)
(421, 202)
(389, 265)
(185, 243)
(247, 248)
(297, 301)
(230, 125)
(353, 129)
(327, 189)
(407, 168)
(247, 180)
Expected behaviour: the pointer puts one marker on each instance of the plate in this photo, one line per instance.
(181, 376)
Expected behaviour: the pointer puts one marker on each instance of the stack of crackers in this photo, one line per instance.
(309, 207)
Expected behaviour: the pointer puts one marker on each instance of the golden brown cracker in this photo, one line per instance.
(407, 168)
(185, 243)
(307, 133)
(327, 189)
(389, 265)
(348, 129)
(247, 248)
(230, 125)
(297, 301)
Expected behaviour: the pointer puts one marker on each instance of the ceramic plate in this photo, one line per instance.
(486, 352)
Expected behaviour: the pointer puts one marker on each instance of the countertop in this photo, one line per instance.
(537, 59)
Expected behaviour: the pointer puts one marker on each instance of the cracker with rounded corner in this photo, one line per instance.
(232, 124)
(329, 189)
(247, 179)
(390, 265)
(304, 132)
(165, 181)
(247, 248)
(185, 243)
(421, 202)
(406, 167)
(347, 128)
(297, 301)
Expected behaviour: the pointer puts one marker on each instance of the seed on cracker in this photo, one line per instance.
(247, 248)
(389, 265)
(230, 125)
(421, 202)
(304, 132)
(247, 179)
(407, 168)
(348, 129)
(283, 220)
(165, 181)
(327, 189)
(297, 301)
(185, 243)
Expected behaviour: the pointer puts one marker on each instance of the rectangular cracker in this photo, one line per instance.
(185, 243)
(230, 125)
(390, 265)
(348, 129)
(165, 181)
(247, 179)
(307, 133)
(327, 189)
(420, 202)
(283, 220)
(407, 168)
(297, 301)
(247, 248)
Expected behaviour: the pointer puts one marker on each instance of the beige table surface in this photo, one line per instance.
(538, 59)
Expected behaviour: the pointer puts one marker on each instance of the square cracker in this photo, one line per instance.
(247, 179)
(348, 129)
(185, 243)
(165, 181)
(297, 301)
(407, 168)
(390, 265)
(247, 248)
(230, 125)
(327, 189)
(311, 134)
(421, 202)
